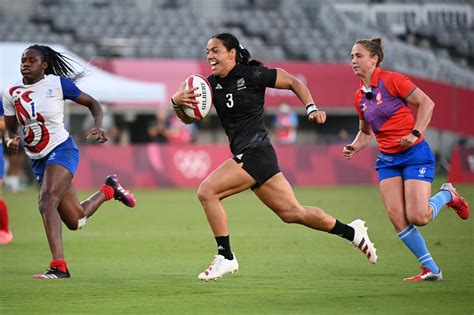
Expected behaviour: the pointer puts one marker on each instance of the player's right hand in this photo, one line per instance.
(348, 151)
(186, 97)
(13, 145)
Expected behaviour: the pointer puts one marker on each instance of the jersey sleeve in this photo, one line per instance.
(400, 85)
(8, 107)
(264, 76)
(1, 108)
(70, 89)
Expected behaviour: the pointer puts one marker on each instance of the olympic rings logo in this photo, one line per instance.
(192, 164)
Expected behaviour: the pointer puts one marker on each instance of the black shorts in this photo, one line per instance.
(260, 162)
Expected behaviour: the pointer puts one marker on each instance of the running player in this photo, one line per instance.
(238, 85)
(405, 164)
(37, 104)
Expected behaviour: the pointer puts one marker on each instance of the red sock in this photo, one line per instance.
(3, 216)
(59, 263)
(108, 191)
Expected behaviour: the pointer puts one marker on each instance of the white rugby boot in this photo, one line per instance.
(219, 267)
(362, 242)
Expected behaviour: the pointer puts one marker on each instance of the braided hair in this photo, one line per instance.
(58, 64)
(243, 55)
(374, 46)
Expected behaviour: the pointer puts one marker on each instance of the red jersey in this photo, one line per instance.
(385, 108)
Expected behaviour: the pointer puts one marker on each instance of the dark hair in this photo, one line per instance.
(374, 46)
(243, 55)
(58, 63)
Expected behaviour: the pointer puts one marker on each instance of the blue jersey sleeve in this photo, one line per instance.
(70, 89)
(1, 108)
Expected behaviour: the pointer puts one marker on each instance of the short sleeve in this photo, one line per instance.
(70, 89)
(264, 76)
(400, 85)
(8, 107)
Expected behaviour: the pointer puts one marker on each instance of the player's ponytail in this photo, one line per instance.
(243, 55)
(374, 46)
(58, 63)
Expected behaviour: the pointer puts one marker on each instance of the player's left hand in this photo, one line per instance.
(408, 140)
(318, 117)
(98, 133)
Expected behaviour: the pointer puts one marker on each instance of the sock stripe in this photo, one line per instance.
(407, 231)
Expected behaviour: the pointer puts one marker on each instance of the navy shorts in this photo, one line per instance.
(417, 162)
(66, 154)
(260, 162)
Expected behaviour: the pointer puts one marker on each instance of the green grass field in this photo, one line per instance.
(146, 260)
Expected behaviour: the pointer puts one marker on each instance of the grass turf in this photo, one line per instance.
(146, 260)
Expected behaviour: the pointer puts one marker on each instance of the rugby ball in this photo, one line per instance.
(204, 102)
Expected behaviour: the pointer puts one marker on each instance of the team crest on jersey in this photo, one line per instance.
(241, 84)
(49, 93)
(378, 98)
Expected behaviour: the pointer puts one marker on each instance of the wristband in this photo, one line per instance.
(310, 108)
(416, 133)
(174, 104)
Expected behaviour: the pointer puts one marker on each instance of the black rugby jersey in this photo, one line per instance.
(238, 99)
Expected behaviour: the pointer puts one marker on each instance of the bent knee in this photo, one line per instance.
(419, 219)
(205, 193)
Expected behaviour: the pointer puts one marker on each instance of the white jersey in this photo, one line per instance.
(39, 109)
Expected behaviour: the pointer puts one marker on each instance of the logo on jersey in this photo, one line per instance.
(363, 107)
(239, 156)
(36, 134)
(378, 98)
(241, 84)
(49, 93)
(218, 87)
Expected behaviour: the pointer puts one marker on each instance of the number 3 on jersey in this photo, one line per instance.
(230, 100)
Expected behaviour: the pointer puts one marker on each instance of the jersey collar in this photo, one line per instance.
(373, 82)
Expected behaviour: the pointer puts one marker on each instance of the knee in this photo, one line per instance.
(75, 224)
(418, 219)
(47, 201)
(205, 193)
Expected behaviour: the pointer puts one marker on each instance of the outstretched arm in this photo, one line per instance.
(284, 80)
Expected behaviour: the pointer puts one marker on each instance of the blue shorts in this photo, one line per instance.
(66, 154)
(417, 162)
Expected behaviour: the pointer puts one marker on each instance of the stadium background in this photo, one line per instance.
(163, 41)
(145, 261)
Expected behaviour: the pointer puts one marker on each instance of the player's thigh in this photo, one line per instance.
(417, 194)
(54, 184)
(392, 192)
(228, 179)
(277, 194)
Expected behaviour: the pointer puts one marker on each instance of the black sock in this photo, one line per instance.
(343, 230)
(223, 247)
